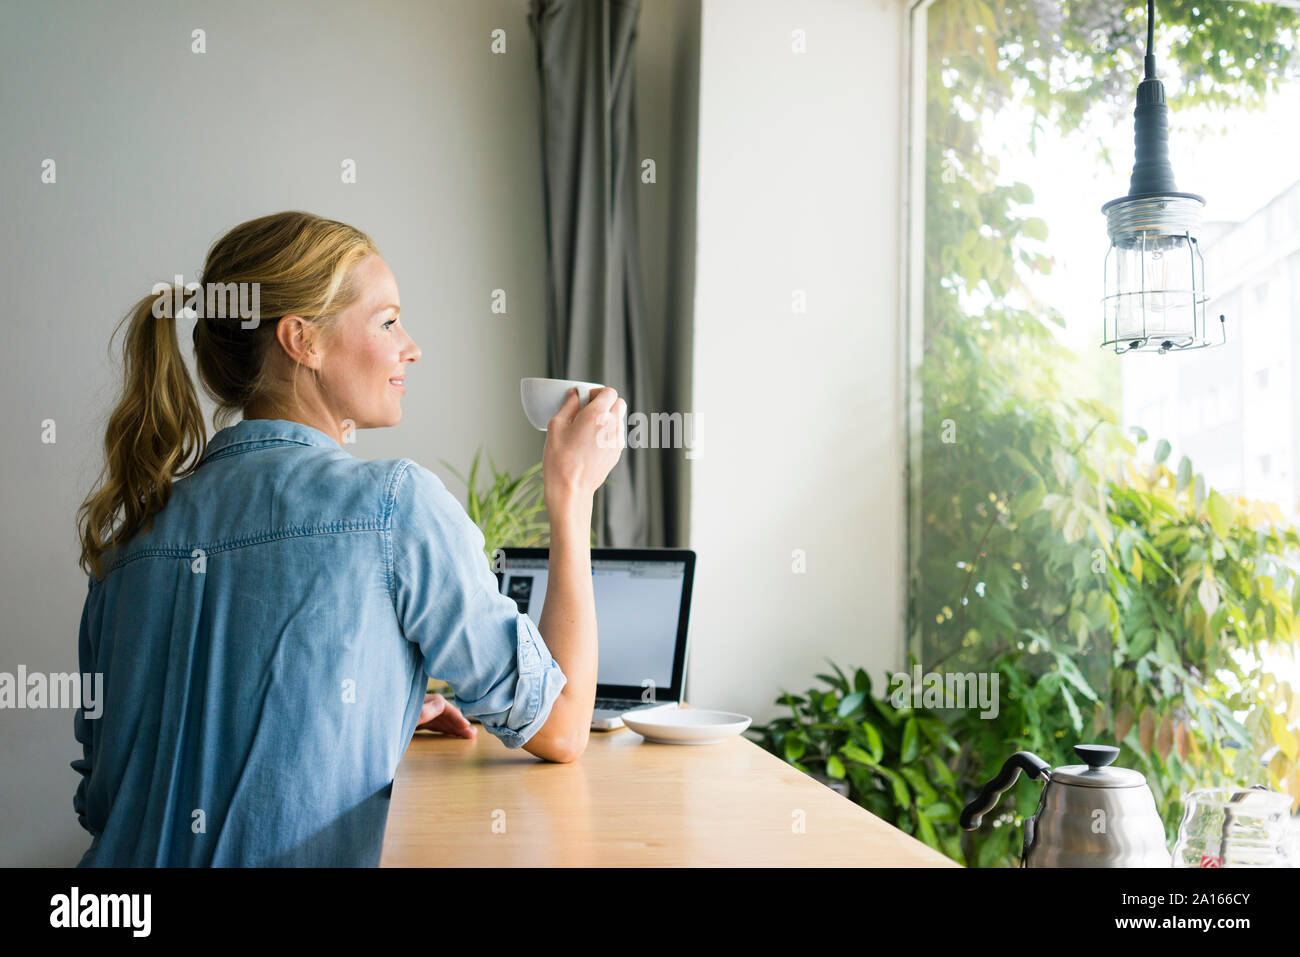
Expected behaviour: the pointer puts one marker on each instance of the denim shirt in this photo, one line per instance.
(265, 648)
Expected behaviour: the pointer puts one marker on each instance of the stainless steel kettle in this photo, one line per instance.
(1089, 815)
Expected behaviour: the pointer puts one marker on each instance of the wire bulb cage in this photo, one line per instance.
(1154, 282)
(1154, 275)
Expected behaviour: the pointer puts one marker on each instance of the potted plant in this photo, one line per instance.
(508, 511)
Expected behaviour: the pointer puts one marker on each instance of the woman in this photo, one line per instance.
(266, 623)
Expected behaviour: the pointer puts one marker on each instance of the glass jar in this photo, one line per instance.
(1231, 827)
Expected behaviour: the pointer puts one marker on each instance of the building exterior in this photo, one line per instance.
(1232, 409)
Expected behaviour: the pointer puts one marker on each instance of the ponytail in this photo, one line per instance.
(153, 433)
(300, 264)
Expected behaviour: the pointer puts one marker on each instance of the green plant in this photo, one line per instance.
(1116, 601)
(508, 510)
(1130, 605)
(916, 767)
(896, 761)
(1139, 615)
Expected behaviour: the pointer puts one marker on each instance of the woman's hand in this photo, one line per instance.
(438, 715)
(583, 446)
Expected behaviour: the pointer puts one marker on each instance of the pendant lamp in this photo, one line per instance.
(1154, 298)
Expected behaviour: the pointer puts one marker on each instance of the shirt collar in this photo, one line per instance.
(266, 432)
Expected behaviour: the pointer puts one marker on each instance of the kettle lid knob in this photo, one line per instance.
(1096, 755)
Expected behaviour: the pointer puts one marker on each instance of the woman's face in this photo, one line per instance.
(366, 353)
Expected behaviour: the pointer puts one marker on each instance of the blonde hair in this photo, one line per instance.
(302, 265)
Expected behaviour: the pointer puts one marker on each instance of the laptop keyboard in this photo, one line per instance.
(609, 707)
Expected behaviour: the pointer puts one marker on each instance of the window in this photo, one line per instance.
(1032, 451)
(1026, 131)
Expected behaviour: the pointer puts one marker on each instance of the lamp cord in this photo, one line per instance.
(1150, 62)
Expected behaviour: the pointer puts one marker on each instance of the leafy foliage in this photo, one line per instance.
(1047, 553)
(509, 510)
(896, 762)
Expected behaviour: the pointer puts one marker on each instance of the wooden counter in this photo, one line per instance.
(627, 802)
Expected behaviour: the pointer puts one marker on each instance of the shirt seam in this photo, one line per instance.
(390, 503)
(251, 445)
(226, 545)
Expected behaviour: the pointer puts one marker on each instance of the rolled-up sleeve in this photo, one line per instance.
(448, 602)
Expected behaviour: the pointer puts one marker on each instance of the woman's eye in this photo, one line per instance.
(389, 323)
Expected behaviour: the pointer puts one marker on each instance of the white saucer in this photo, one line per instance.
(687, 726)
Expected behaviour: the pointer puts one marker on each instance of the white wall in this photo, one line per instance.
(799, 185)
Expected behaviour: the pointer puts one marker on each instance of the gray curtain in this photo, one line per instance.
(596, 311)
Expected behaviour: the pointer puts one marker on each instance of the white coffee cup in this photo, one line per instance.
(542, 398)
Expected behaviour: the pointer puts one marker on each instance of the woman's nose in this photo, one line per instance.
(412, 351)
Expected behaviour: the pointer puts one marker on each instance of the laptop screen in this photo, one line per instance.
(639, 610)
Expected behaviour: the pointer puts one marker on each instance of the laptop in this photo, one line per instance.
(643, 602)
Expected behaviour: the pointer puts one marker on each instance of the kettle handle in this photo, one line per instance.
(1026, 761)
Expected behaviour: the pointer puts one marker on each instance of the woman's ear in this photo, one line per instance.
(298, 339)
